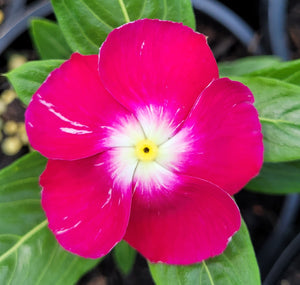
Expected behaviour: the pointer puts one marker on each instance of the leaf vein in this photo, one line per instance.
(20, 201)
(277, 121)
(23, 239)
(124, 11)
(79, 26)
(178, 276)
(97, 17)
(68, 269)
(47, 265)
(14, 270)
(208, 273)
(164, 17)
(142, 10)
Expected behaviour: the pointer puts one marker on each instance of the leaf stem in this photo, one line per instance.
(23, 240)
(124, 11)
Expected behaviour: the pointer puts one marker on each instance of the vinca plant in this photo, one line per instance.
(140, 142)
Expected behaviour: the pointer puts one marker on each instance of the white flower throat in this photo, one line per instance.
(147, 147)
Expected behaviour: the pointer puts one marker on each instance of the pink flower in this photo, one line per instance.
(145, 144)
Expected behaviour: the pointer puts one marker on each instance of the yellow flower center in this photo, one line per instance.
(146, 150)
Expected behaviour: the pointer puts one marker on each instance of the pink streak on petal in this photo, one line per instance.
(67, 114)
(227, 147)
(185, 223)
(87, 212)
(159, 63)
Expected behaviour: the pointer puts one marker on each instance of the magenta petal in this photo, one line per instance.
(227, 146)
(87, 212)
(184, 223)
(158, 63)
(68, 113)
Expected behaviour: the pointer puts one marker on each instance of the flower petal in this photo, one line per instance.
(67, 116)
(159, 63)
(87, 212)
(223, 137)
(180, 221)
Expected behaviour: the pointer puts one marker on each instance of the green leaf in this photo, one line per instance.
(178, 11)
(124, 256)
(27, 78)
(86, 23)
(29, 253)
(246, 65)
(49, 40)
(277, 178)
(294, 78)
(236, 266)
(287, 71)
(278, 105)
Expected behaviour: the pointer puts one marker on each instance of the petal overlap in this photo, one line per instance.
(159, 63)
(225, 144)
(175, 225)
(68, 115)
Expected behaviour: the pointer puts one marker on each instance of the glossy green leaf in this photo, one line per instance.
(277, 178)
(124, 256)
(287, 71)
(49, 40)
(236, 266)
(29, 253)
(278, 105)
(246, 65)
(27, 78)
(86, 23)
(294, 78)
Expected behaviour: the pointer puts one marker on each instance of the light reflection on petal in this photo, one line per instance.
(57, 114)
(75, 132)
